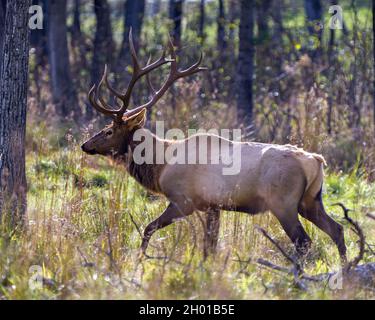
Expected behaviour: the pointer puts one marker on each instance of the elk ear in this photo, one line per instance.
(138, 120)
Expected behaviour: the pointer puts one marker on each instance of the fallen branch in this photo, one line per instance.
(295, 263)
(297, 270)
(352, 264)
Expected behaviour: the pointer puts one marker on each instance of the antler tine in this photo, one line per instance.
(97, 93)
(110, 88)
(92, 95)
(195, 67)
(132, 51)
(151, 87)
(174, 74)
(138, 72)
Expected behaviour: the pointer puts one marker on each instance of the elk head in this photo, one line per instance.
(114, 138)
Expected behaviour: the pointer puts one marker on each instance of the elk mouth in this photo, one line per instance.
(88, 151)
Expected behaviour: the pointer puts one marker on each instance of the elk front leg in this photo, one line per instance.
(211, 234)
(170, 214)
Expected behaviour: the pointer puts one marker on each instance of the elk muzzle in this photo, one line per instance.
(87, 148)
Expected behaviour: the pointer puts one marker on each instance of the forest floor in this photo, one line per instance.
(82, 240)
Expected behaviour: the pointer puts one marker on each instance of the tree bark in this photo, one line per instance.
(64, 94)
(2, 27)
(175, 14)
(103, 45)
(13, 101)
(202, 18)
(373, 50)
(221, 42)
(245, 64)
(133, 18)
(103, 42)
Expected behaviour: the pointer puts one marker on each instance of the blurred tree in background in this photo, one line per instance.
(63, 91)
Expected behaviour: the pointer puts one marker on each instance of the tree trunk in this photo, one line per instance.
(78, 40)
(245, 64)
(175, 14)
(133, 18)
(202, 18)
(233, 14)
(262, 11)
(373, 50)
(103, 43)
(221, 42)
(2, 27)
(63, 91)
(313, 9)
(13, 101)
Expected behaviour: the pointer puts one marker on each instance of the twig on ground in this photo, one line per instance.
(295, 263)
(297, 270)
(352, 264)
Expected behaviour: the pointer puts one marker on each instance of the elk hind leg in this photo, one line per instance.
(313, 210)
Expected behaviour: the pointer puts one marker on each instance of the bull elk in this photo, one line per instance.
(283, 179)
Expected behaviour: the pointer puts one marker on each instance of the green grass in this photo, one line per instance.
(83, 215)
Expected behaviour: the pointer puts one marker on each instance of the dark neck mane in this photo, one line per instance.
(146, 174)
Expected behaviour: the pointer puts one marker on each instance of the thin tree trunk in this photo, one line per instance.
(2, 27)
(262, 8)
(133, 18)
(175, 14)
(77, 39)
(245, 64)
(233, 14)
(278, 32)
(202, 18)
(221, 42)
(313, 9)
(13, 100)
(64, 94)
(373, 50)
(103, 42)
(331, 75)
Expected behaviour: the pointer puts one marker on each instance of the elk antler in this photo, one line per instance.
(100, 105)
(174, 75)
(97, 101)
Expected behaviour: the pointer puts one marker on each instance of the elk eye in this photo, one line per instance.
(109, 133)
